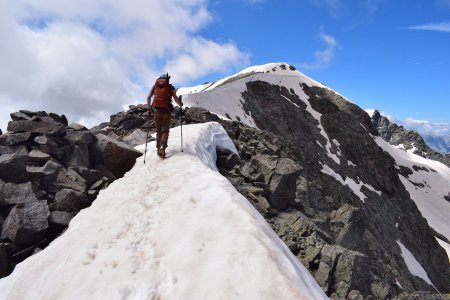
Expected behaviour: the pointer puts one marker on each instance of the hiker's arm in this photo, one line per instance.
(149, 98)
(177, 100)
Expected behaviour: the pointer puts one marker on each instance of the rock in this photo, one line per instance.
(116, 156)
(43, 125)
(11, 193)
(13, 168)
(282, 184)
(61, 217)
(136, 137)
(132, 122)
(27, 223)
(59, 118)
(90, 175)
(199, 114)
(92, 195)
(77, 137)
(69, 179)
(11, 139)
(76, 126)
(70, 201)
(265, 164)
(79, 156)
(17, 116)
(380, 290)
(46, 140)
(422, 296)
(16, 149)
(4, 262)
(47, 174)
(355, 295)
(36, 156)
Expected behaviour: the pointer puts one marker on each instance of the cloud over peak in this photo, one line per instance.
(90, 59)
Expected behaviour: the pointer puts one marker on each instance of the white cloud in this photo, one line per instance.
(323, 57)
(426, 127)
(89, 59)
(441, 27)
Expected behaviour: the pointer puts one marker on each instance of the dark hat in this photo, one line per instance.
(165, 76)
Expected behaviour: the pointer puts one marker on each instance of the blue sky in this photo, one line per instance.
(373, 55)
(89, 59)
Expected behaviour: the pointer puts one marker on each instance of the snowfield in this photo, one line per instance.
(169, 229)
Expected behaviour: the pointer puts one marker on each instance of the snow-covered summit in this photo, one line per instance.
(169, 229)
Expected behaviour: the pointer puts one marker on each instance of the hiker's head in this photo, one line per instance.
(165, 76)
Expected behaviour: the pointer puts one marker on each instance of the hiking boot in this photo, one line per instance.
(162, 152)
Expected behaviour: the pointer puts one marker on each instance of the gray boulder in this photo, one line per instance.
(16, 149)
(11, 193)
(45, 175)
(69, 179)
(77, 137)
(36, 156)
(13, 168)
(62, 218)
(11, 139)
(43, 125)
(27, 223)
(282, 184)
(79, 156)
(116, 156)
(70, 201)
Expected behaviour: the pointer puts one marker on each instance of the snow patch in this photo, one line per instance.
(414, 267)
(352, 184)
(429, 198)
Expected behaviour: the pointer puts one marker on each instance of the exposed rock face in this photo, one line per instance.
(363, 226)
(410, 140)
(45, 163)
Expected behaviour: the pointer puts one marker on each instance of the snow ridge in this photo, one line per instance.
(169, 229)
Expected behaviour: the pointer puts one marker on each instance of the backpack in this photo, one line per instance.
(162, 94)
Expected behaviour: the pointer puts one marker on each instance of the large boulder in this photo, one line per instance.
(38, 157)
(61, 218)
(13, 168)
(77, 137)
(27, 223)
(47, 174)
(43, 125)
(11, 193)
(69, 179)
(70, 201)
(79, 156)
(11, 139)
(116, 156)
(16, 149)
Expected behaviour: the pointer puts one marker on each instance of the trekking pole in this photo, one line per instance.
(181, 129)
(146, 138)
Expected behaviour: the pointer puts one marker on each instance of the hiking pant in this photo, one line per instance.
(162, 123)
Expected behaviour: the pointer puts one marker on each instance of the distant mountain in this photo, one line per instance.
(438, 143)
(408, 140)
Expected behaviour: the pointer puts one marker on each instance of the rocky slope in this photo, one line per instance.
(336, 179)
(408, 140)
(49, 171)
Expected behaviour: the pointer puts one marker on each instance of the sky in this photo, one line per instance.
(90, 59)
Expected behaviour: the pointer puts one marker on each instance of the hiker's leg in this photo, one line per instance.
(157, 121)
(165, 125)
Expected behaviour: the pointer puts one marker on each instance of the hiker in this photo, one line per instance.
(162, 93)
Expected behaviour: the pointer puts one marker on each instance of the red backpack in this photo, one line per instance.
(162, 93)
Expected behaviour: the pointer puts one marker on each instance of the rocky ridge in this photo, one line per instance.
(348, 245)
(409, 140)
(49, 171)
